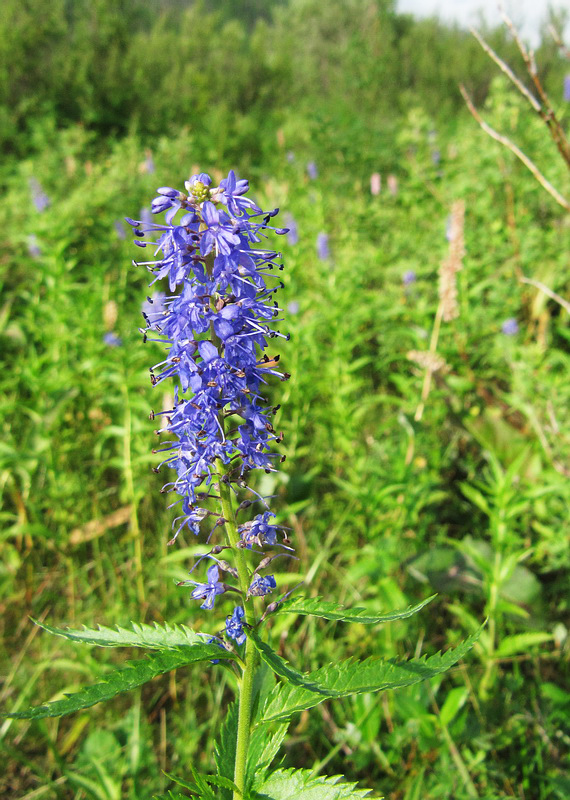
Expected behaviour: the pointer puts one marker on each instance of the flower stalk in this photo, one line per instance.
(215, 326)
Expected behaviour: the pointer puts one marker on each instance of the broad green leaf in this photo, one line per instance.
(155, 637)
(454, 702)
(520, 643)
(301, 784)
(283, 668)
(318, 607)
(137, 673)
(352, 677)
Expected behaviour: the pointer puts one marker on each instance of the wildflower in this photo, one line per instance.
(261, 586)
(312, 171)
(293, 307)
(119, 229)
(149, 162)
(33, 247)
(435, 157)
(510, 327)
(323, 250)
(112, 340)
(293, 234)
(234, 627)
(567, 88)
(210, 590)
(375, 183)
(392, 185)
(214, 324)
(409, 277)
(39, 197)
(290, 157)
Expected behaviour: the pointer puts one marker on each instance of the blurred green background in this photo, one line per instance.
(101, 102)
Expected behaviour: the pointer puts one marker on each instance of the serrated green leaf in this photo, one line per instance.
(225, 748)
(123, 680)
(155, 637)
(351, 677)
(318, 607)
(263, 747)
(282, 667)
(202, 781)
(301, 784)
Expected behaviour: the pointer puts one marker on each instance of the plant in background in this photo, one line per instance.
(216, 324)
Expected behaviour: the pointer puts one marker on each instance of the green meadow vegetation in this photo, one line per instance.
(425, 455)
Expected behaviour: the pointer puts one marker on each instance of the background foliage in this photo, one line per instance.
(102, 101)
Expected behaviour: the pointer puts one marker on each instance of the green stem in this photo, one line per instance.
(248, 672)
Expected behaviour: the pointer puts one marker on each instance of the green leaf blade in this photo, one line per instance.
(123, 680)
(301, 784)
(316, 606)
(350, 677)
(153, 637)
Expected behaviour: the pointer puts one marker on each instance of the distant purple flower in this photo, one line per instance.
(293, 235)
(323, 250)
(510, 327)
(293, 307)
(291, 157)
(261, 586)
(33, 247)
(112, 340)
(149, 163)
(409, 277)
(234, 627)
(119, 229)
(567, 88)
(312, 171)
(436, 157)
(146, 220)
(39, 197)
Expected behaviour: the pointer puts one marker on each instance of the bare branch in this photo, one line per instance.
(508, 71)
(516, 150)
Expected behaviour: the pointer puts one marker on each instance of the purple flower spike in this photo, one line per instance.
(214, 323)
(39, 197)
(567, 88)
(293, 233)
(312, 171)
(409, 277)
(510, 327)
(112, 340)
(323, 250)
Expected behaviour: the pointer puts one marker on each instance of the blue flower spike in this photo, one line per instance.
(215, 319)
